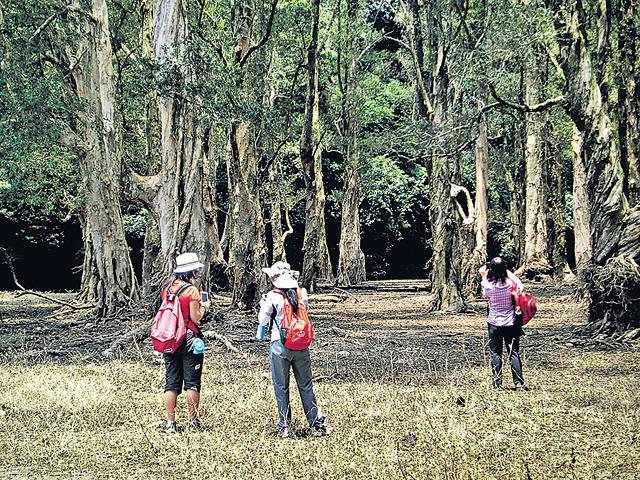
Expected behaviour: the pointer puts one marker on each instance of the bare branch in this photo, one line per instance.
(47, 22)
(523, 107)
(265, 37)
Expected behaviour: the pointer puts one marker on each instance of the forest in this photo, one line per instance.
(361, 140)
(386, 149)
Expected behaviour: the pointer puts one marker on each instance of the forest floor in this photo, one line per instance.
(407, 395)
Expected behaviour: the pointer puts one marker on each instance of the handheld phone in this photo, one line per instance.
(205, 296)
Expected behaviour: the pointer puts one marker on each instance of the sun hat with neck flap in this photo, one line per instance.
(281, 275)
(187, 262)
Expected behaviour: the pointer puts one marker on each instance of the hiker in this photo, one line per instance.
(287, 296)
(184, 367)
(498, 286)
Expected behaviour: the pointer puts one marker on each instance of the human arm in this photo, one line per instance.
(264, 317)
(519, 285)
(197, 309)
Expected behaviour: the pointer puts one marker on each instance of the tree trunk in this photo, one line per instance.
(351, 262)
(555, 216)
(218, 265)
(614, 280)
(247, 246)
(629, 99)
(178, 203)
(445, 279)
(108, 279)
(279, 252)
(480, 225)
(247, 249)
(316, 263)
(581, 228)
(536, 254)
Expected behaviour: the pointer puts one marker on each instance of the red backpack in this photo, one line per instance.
(296, 331)
(525, 304)
(169, 327)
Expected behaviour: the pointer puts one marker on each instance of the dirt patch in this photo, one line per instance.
(375, 335)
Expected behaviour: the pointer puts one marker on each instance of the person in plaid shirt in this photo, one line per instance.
(497, 287)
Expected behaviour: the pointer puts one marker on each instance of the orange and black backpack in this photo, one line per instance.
(296, 331)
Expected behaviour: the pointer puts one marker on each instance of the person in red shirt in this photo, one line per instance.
(184, 367)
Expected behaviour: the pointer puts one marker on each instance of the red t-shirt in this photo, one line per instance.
(188, 295)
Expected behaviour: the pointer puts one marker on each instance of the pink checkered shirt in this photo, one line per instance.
(501, 312)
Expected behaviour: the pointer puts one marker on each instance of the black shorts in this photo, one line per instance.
(183, 367)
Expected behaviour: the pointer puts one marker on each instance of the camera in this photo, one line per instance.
(204, 296)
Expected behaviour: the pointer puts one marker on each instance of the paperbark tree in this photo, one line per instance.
(351, 262)
(582, 231)
(108, 279)
(176, 194)
(446, 282)
(614, 279)
(247, 246)
(316, 262)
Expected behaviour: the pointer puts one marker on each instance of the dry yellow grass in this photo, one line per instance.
(581, 420)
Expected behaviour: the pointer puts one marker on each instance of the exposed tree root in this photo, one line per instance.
(615, 296)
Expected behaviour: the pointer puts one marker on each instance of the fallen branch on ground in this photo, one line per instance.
(327, 298)
(224, 340)
(26, 291)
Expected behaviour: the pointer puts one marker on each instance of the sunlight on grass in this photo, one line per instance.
(100, 421)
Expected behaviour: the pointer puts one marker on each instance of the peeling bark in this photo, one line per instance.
(351, 262)
(316, 262)
(108, 279)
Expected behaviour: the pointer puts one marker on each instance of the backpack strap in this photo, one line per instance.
(275, 312)
(514, 294)
(181, 289)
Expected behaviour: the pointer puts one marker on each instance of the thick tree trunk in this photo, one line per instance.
(247, 249)
(178, 203)
(536, 254)
(480, 224)
(614, 279)
(107, 278)
(445, 279)
(629, 99)
(351, 262)
(316, 263)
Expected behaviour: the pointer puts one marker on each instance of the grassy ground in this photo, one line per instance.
(407, 396)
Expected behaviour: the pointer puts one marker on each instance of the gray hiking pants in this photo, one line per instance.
(281, 360)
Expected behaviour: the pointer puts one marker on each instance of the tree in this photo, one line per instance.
(316, 263)
(351, 262)
(108, 279)
(614, 279)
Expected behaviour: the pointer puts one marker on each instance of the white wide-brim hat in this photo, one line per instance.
(282, 276)
(187, 262)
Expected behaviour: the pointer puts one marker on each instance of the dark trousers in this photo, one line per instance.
(282, 361)
(510, 336)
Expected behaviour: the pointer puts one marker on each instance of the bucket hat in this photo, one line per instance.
(187, 262)
(282, 276)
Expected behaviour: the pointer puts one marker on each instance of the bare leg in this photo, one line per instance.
(193, 402)
(170, 400)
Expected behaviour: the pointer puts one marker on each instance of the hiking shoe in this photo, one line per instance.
(195, 424)
(522, 388)
(319, 431)
(284, 432)
(170, 427)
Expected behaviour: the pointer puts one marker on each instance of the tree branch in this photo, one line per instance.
(265, 37)
(523, 107)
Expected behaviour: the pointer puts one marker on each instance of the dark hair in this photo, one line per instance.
(497, 270)
(292, 296)
(182, 276)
